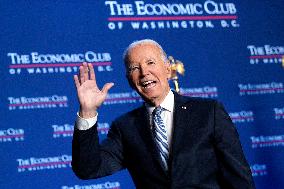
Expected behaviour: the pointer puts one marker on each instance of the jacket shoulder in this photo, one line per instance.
(195, 100)
(128, 116)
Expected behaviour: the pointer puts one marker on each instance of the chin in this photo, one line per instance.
(151, 98)
(150, 94)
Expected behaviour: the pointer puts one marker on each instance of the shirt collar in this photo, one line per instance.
(167, 104)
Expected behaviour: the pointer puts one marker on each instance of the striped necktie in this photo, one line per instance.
(160, 136)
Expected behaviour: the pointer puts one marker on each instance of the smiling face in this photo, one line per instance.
(147, 72)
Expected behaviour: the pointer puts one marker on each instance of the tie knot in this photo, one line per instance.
(157, 111)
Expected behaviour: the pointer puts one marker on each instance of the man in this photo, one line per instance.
(170, 142)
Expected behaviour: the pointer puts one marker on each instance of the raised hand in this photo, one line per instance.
(89, 95)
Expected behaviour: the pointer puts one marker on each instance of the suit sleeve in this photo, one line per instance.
(90, 159)
(235, 171)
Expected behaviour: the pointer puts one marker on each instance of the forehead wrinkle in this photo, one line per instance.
(142, 60)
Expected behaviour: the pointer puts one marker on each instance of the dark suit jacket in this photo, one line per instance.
(206, 151)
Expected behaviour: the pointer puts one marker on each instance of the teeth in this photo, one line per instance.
(147, 82)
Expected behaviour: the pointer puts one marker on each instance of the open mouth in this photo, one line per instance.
(148, 84)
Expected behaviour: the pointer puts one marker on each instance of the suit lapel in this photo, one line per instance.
(183, 113)
(182, 120)
(145, 131)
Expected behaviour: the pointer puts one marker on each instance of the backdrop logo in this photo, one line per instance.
(205, 92)
(242, 116)
(279, 113)
(11, 134)
(106, 185)
(37, 63)
(122, 98)
(66, 130)
(36, 164)
(22, 103)
(263, 88)
(258, 170)
(267, 141)
(154, 15)
(266, 54)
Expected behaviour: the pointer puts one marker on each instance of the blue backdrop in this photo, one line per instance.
(232, 51)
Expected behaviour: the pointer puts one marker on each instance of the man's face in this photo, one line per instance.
(148, 73)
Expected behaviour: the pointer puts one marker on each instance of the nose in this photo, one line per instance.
(144, 70)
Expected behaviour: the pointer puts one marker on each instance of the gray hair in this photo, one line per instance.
(141, 42)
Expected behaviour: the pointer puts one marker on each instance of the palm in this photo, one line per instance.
(89, 95)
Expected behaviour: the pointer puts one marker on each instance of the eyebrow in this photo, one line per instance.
(150, 59)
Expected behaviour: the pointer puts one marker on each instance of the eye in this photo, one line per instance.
(133, 68)
(151, 62)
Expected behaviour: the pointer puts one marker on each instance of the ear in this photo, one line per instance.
(168, 69)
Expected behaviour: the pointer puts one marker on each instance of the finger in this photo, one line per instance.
(81, 71)
(106, 87)
(92, 72)
(76, 81)
(86, 71)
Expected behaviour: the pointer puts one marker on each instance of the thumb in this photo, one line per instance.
(106, 87)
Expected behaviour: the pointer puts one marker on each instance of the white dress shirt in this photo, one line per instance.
(167, 115)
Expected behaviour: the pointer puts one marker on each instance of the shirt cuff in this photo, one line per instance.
(84, 124)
